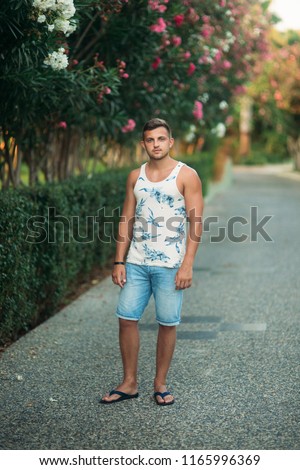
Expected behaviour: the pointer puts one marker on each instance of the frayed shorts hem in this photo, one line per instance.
(123, 317)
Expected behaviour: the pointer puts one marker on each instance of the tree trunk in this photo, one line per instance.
(9, 150)
(294, 150)
(245, 125)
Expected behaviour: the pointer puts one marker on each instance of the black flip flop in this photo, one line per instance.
(162, 395)
(123, 396)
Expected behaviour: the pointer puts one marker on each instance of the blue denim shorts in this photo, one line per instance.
(143, 281)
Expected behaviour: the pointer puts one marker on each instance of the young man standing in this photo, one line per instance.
(159, 197)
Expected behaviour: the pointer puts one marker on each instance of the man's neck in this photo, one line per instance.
(162, 164)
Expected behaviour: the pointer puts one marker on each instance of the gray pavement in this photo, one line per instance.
(235, 372)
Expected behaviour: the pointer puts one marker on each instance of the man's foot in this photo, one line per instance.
(123, 387)
(162, 396)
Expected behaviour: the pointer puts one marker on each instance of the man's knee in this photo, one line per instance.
(126, 324)
(167, 328)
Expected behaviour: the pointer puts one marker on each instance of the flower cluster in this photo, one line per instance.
(57, 16)
(157, 5)
(129, 127)
(198, 110)
(121, 68)
(159, 26)
(57, 59)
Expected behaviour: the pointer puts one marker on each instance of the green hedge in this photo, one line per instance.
(39, 258)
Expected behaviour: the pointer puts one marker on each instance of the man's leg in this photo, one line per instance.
(129, 346)
(166, 340)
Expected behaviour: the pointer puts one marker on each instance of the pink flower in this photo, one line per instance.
(129, 127)
(218, 56)
(63, 125)
(159, 27)
(227, 64)
(277, 95)
(107, 90)
(161, 8)
(192, 16)
(198, 110)
(176, 41)
(178, 20)
(207, 31)
(191, 69)
(75, 61)
(240, 89)
(125, 75)
(121, 64)
(165, 41)
(156, 63)
(187, 55)
(229, 120)
(222, 3)
(154, 5)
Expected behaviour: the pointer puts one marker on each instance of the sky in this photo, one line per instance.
(289, 11)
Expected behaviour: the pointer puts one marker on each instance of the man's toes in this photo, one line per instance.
(169, 398)
(107, 397)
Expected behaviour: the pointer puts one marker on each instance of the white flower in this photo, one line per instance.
(41, 19)
(50, 27)
(64, 7)
(44, 5)
(219, 130)
(223, 105)
(64, 26)
(71, 29)
(204, 98)
(61, 25)
(57, 60)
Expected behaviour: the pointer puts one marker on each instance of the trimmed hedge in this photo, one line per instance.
(49, 235)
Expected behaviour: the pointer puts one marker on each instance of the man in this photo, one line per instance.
(159, 197)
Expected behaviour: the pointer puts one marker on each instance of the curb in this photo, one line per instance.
(215, 187)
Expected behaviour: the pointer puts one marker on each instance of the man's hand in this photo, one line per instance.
(119, 275)
(184, 276)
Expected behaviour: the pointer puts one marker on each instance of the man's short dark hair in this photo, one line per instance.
(154, 123)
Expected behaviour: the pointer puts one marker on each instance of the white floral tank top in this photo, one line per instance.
(159, 231)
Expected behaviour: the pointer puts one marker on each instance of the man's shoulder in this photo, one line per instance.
(133, 176)
(188, 172)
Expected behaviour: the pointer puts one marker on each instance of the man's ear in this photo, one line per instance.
(143, 144)
(171, 142)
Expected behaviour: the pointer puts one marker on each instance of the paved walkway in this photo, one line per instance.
(235, 372)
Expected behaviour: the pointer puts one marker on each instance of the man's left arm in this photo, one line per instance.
(194, 208)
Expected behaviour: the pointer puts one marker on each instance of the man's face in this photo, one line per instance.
(157, 143)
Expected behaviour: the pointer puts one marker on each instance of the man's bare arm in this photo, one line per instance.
(125, 229)
(194, 208)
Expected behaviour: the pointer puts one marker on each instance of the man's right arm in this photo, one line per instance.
(125, 230)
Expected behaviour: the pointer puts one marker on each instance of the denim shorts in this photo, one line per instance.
(143, 281)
